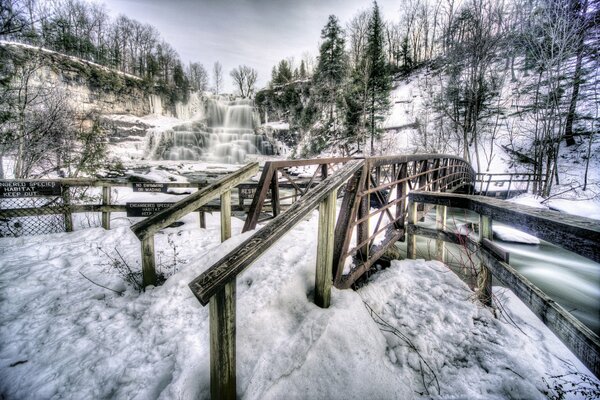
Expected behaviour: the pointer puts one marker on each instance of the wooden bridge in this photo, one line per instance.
(382, 200)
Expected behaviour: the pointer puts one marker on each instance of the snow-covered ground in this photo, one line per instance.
(415, 331)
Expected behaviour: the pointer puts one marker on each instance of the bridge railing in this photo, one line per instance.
(216, 286)
(504, 184)
(373, 209)
(146, 229)
(578, 234)
(375, 190)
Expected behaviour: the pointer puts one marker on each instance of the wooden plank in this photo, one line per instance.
(578, 234)
(225, 215)
(192, 202)
(343, 232)
(259, 197)
(85, 208)
(324, 269)
(228, 267)
(222, 343)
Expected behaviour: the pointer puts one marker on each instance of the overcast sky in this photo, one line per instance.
(257, 33)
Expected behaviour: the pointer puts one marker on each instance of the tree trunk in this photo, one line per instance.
(569, 138)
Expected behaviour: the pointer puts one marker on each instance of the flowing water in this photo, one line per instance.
(571, 280)
(226, 135)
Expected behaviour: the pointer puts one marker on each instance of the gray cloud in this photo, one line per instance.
(257, 33)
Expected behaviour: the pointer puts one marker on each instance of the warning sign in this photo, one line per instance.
(10, 189)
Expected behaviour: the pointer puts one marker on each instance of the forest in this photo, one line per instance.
(525, 69)
(522, 69)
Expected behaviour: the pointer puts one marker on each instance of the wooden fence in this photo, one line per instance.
(578, 234)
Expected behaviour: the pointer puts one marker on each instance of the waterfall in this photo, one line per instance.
(226, 135)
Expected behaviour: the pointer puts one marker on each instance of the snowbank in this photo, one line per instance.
(65, 337)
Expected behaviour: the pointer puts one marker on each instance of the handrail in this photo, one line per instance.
(146, 229)
(578, 234)
(227, 268)
(164, 218)
(217, 285)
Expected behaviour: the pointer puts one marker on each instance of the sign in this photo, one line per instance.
(247, 191)
(149, 187)
(145, 209)
(10, 189)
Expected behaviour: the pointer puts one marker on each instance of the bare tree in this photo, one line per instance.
(218, 77)
(244, 78)
(198, 76)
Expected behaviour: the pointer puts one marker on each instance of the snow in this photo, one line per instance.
(65, 337)
(72, 58)
(508, 234)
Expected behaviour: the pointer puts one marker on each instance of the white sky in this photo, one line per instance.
(257, 33)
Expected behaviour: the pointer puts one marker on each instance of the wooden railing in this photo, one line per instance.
(73, 206)
(216, 286)
(146, 229)
(504, 185)
(381, 184)
(578, 234)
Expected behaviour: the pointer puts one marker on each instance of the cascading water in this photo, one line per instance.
(226, 135)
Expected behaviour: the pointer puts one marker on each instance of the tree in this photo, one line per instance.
(197, 76)
(330, 73)
(38, 128)
(378, 83)
(244, 78)
(580, 20)
(218, 77)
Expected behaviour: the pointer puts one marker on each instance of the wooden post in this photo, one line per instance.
(225, 216)
(411, 240)
(202, 218)
(362, 229)
(484, 281)
(222, 324)
(148, 265)
(509, 183)
(222, 343)
(324, 272)
(275, 194)
(401, 193)
(67, 207)
(440, 218)
(106, 202)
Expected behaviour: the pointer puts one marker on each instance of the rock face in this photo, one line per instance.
(89, 86)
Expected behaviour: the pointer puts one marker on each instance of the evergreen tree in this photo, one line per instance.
(378, 83)
(330, 73)
(302, 71)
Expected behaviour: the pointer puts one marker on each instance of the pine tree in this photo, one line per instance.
(330, 72)
(378, 84)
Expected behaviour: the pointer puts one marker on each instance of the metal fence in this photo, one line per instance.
(24, 224)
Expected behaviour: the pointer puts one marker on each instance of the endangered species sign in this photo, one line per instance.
(145, 209)
(149, 187)
(11, 189)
